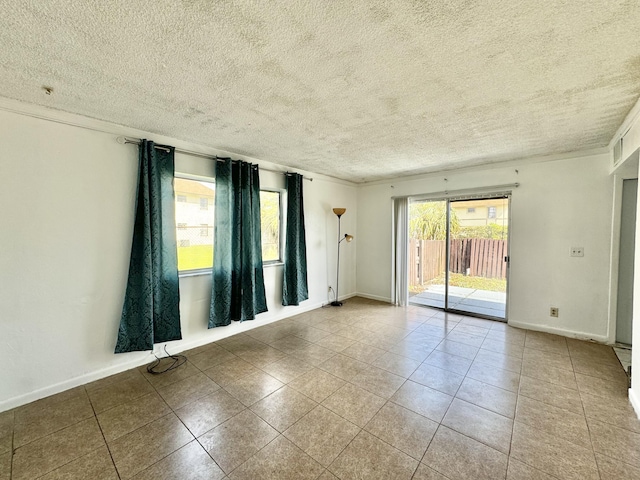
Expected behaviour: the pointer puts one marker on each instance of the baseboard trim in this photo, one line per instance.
(373, 297)
(560, 331)
(635, 402)
(144, 358)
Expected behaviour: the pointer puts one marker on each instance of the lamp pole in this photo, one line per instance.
(336, 302)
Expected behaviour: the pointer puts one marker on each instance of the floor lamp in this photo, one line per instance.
(339, 212)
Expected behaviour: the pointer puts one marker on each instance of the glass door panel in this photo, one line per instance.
(427, 253)
(478, 256)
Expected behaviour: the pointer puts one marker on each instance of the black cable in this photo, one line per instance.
(178, 360)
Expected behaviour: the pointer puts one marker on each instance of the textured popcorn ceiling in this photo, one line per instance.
(361, 90)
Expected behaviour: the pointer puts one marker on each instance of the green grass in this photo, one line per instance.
(194, 257)
(460, 280)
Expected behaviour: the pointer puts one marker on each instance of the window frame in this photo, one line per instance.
(196, 178)
(281, 226)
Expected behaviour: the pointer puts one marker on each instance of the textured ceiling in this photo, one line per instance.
(356, 89)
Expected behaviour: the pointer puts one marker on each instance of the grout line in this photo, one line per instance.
(102, 433)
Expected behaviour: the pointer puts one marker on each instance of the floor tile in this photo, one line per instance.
(335, 342)
(503, 347)
(557, 376)
(143, 447)
(317, 384)
(494, 376)
(510, 335)
(283, 408)
(423, 400)
(616, 413)
(322, 434)
(119, 392)
(280, 460)
(437, 378)
(378, 381)
(57, 449)
(487, 396)
(505, 362)
(552, 455)
(287, 368)
(129, 416)
(457, 456)
(262, 357)
(5, 466)
(6, 431)
(343, 367)
(554, 421)
(172, 376)
(189, 390)
(446, 361)
(313, 354)
(371, 458)
(417, 352)
(397, 364)
(354, 404)
(551, 394)
(96, 465)
(546, 342)
(312, 334)
(290, 344)
(425, 473)
(237, 439)
(253, 387)
(520, 471)
(403, 429)
(209, 411)
(480, 424)
(611, 468)
(190, 462)
(364, 353)
(537, 358)
(34, 424)
(615, 442)
(613, 391)
(448, 345)
(230, 370)
(596, 369)
(473, 341)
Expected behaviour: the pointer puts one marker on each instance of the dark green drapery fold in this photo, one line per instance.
(294, 279)
(151, 313)
(237, 291)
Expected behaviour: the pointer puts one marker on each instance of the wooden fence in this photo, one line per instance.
(478, 257)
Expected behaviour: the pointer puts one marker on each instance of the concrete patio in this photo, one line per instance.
(481, 302)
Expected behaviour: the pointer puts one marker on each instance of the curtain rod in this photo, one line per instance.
(478, 190)
(136, 141)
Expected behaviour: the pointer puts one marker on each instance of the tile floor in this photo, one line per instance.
(368, 391)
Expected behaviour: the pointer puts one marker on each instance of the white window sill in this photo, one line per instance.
(207, 271)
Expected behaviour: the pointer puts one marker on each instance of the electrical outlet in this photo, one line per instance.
(553, 312)
(577, 251)
(329, 289)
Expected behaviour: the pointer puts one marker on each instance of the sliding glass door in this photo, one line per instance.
(458, 255)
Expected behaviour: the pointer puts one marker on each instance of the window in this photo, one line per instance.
(270, 223)
(492, 212)
(194, 222)
(471, 210)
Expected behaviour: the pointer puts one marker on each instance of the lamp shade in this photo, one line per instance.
(339, 211)
(348, 238)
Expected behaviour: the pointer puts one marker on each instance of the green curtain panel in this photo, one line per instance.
(151, 312)
(294, 279)
(237, 291)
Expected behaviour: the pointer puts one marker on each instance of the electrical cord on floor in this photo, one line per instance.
(178, 360)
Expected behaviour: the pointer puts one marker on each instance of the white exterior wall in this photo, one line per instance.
(65, 238)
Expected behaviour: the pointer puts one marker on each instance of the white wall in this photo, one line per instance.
(559, 204)
(65, 235)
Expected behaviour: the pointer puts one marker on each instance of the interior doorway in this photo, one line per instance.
(459, 254)
(624, 316)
